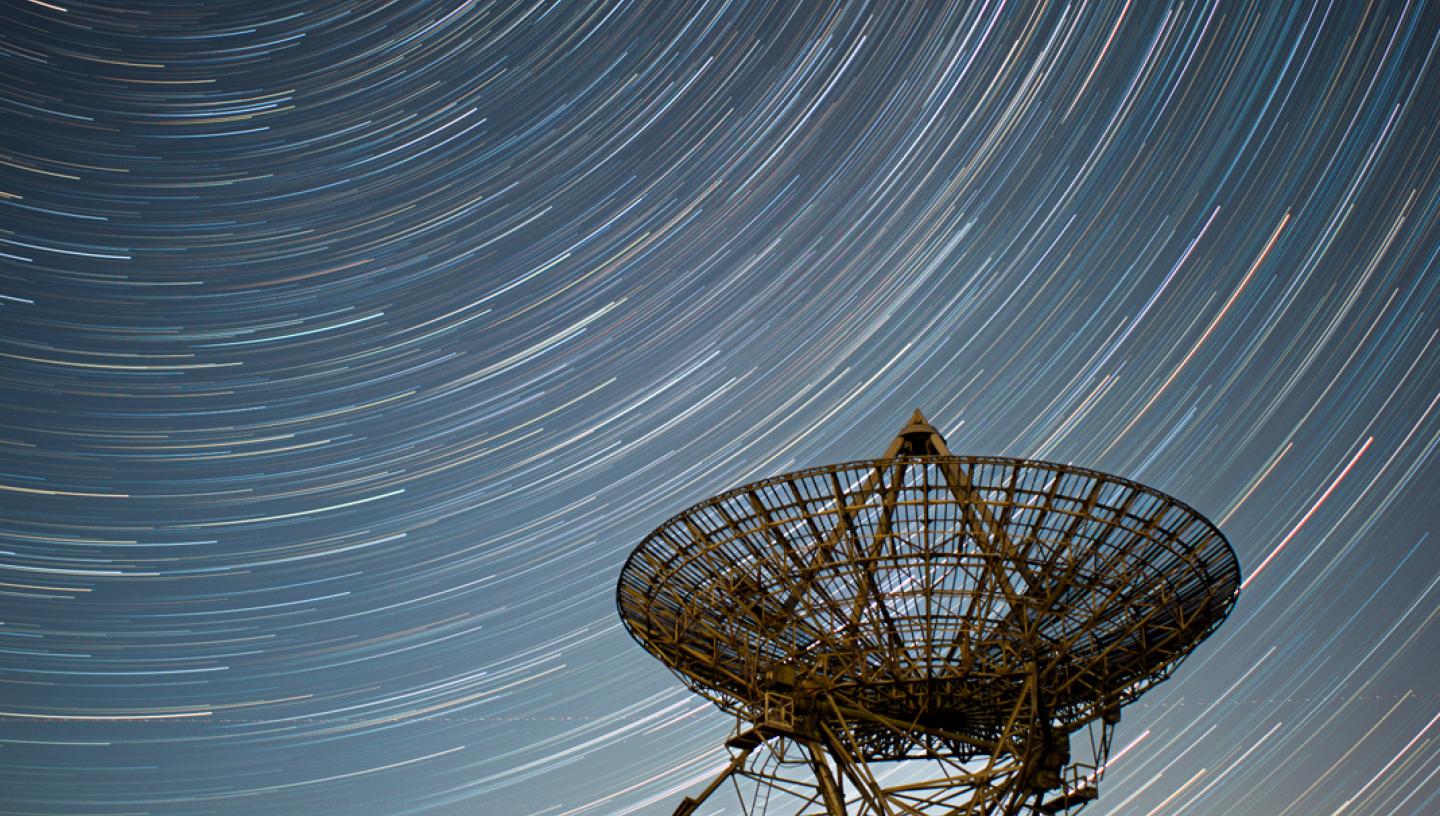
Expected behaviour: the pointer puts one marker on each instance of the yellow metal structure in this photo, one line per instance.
(923, 634)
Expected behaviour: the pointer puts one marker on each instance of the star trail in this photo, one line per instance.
(348, 348)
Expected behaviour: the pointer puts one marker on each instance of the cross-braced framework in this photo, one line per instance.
(925, 634)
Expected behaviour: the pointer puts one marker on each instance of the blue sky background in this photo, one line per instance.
(347, 349)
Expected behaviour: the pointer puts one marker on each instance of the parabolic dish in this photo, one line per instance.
(925, 588)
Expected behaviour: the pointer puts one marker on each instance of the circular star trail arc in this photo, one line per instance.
(348, 348)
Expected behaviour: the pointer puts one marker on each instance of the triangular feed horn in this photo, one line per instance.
(917, 438)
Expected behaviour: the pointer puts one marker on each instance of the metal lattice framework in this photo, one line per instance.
(923, 633)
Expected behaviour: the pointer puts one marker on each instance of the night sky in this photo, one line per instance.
(348, 348)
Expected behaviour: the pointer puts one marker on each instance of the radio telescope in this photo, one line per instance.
(925, 634)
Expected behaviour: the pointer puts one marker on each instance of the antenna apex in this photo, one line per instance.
(918, 438)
